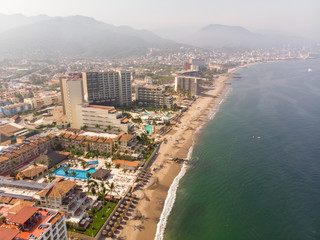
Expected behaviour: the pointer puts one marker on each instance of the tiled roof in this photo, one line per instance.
(58, 190)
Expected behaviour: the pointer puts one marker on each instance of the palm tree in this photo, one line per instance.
(93, 212)
(3, 219)
(88, 175)
(103, 195)
(73, 173)
(111, 187)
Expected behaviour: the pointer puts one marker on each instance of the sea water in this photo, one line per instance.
(255, 169)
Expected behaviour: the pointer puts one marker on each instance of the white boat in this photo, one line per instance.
(309, 70)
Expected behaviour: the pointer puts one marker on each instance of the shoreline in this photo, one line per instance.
(179, 144)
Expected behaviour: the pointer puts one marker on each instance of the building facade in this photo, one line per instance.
(112, 88)
(189, 84)
(14, 109)
(72, 95)
(148, 95)
(101, 119)
(39, 102)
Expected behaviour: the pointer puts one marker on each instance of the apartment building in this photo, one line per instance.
(19, 153)
(43, 101)
(72, 95)
(86, 143)
(155, 96)
(14, 109)
(191, 85)
(112, 88)
(101, 119)
(33, 223)
(65, 196)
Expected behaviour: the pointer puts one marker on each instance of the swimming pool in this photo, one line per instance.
(146, 113)
(148, 128)
(80, 174)
(91, 162)
(168, 116)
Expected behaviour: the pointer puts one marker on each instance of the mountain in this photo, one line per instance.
(78, 36)
(220, 36)
(15, 20)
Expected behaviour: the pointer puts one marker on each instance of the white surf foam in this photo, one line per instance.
(171, 197)
(172, 192)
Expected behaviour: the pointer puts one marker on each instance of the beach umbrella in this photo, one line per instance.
(125, 211)
(121, 215)
(128, 206)
(104, 232)
(134, 196)
(113, 229)
(110, 234)
(116, 225)
(117, 214)
(129, 194)
(110, 223)
(119, 219)
(108, 228)
(122, 206)
(114, 218)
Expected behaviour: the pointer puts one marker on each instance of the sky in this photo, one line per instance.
(300, 17)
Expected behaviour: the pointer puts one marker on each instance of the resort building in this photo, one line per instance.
(65, 196)
(111, 88)
(14, 109)
(128, 165)
(101, 119)
(44, 101)
(28, 222)
(191, 85)
(72, 95)
(16, 155)
(127, 144)
(155, 96)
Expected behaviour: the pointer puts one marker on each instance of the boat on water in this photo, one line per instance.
(309, 70)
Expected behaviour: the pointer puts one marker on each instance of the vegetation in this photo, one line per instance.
(98, 222)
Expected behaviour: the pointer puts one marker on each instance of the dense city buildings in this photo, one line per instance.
(191, 85)
(112, 88)
(153, 96)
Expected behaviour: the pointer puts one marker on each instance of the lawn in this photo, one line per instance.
(98, 221)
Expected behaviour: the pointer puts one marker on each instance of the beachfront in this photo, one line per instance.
(176, 145)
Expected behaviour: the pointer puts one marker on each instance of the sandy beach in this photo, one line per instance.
(178, 143)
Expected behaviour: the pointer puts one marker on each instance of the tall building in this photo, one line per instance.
(148, 95)
(112, 88)
(189, 84)
(72, 95)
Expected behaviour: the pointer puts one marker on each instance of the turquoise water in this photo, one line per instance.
(148, 128)
(242, 188)
(95, 162)
(80, 174)
(146, 113)
(168, 116)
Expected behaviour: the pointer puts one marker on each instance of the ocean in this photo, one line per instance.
(254, 171)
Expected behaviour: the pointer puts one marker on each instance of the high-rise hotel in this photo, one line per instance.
(112, 88)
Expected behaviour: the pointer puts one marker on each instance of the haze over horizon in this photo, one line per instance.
(300, 18)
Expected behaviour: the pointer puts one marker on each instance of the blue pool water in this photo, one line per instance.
(168, 116)
(95, 162)
(148, 128)
(80, 174)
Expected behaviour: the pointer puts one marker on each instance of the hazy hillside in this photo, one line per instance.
(77, 36)
(219, 36)
(12, 21)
